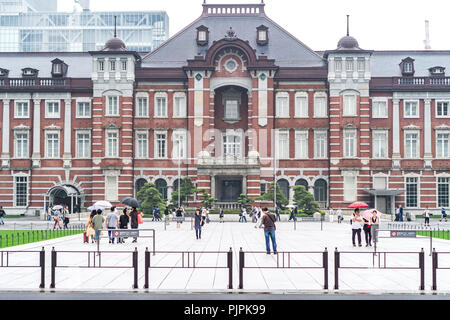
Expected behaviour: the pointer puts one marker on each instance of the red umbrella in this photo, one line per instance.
(358, 205)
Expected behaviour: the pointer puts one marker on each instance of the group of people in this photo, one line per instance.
(113, 221)
(339, 213)
(60, 215)
(368, 225)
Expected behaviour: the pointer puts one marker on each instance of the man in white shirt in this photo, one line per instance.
(331, 213)
(427, 214)
(112, 220)
(340, 216)
(357, 224)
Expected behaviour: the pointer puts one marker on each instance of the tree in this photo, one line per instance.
(244, 201)
(186, 189)
(269, 195)
(305, 201)
(206, 199)
(150, 197)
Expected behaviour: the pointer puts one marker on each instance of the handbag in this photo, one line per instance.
(139, 219)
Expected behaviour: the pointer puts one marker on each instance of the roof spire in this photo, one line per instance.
(115, 26)
(348, 25)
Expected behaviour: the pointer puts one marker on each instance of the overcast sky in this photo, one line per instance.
(376, 24)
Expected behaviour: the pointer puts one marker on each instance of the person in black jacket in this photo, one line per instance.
(124, 219)
(199, 222)
(2, 214)
(134, 221)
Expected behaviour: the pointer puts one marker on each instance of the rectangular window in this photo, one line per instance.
(202, 36)
(338, 65)
(83, 110)
(111, 188)
(112, 65)
(142, 107)
(160, 145)
(442, 145)
(282, 143)
(349, 64)
(232, 145)
(22, 110)
(112, 144)
(21, 192)
(179, 106)
(349, 105)
(407, 67)
(52, 110)
(379, 109)
(320, 107)
(301, 106)
(113, 106)
(179, 145)
(361, 65)
(320, 144)
(83, 145)
(380, 144)
(411, 192)
(283, 107)
(124, 65)
(101, 65)
(380, 183)
(263, 188)
(411, 145)
(21, 145)
(349, 143)
(443, 192)
(161, 107)
(52, 145)
(411, 109)
(231, 109)
(301, 145)
(262, 35)
(350, 188)
(142, 145)
(442, 109)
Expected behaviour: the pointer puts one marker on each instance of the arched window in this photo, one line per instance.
(139, 184)
(161, 185)
(302, 182)
(320, 190)
(176, 183)
(284, 186)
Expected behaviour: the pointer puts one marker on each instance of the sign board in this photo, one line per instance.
(307, 219)
(124, 233)
(403, 234)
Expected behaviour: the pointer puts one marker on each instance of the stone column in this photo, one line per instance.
(36, 157)
(213, 186)
(67, 156)
(427, 134)
(5, 134)
(244, 185)
(396, 133)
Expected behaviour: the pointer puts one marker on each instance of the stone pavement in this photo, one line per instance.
(220, 237)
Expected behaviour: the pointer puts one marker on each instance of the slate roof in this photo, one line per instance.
(283, 47)
(79, 64)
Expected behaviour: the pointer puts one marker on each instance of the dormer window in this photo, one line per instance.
(59, 68)
(4, 72)
(437, 71)
(29, 72)
(262, 35)
(407, 67)
(202, 36)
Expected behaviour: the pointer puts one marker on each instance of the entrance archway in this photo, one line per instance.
(64, 195)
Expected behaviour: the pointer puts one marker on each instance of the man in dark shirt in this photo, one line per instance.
(268, 220)
(134, 221)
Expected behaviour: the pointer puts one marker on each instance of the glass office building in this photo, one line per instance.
(80, 31)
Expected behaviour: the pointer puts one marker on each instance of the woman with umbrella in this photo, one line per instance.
(357, 221)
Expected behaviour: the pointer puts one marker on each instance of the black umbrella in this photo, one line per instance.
(132, 202)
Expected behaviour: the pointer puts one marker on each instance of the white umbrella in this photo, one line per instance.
(103, 203)
(57, 207)
(290, 206)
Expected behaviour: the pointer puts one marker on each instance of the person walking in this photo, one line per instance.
(244, 214)
(90, 226)
(367, 232)
(112, 220)
(340, 215)
(98, 221)
(400, 213)
(277, 213)
(221, 216)
(124, 219)
(179, 216)
(397, 213)
(443, 214)
(65, 217)
(134, 221)
(427, 215)
(356, 227)
(199, 221)
(375, 224)
(253, 214)
(331, 214)
(2, 214)
(56, 216)
(258, 217)
(268, 221)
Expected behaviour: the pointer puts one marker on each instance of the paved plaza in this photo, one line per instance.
(308, 236)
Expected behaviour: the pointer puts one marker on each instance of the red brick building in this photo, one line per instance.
(234, 102)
